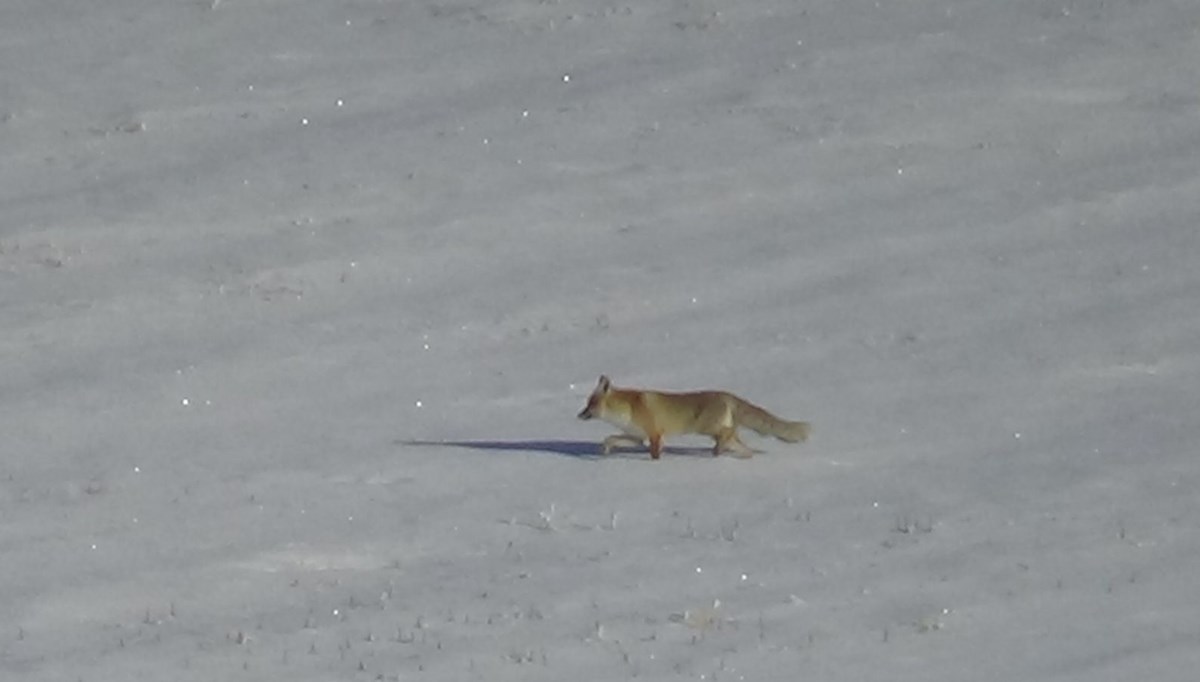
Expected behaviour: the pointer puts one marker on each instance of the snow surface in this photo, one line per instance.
(299, 300)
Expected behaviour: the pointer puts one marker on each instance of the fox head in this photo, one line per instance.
(595, 404)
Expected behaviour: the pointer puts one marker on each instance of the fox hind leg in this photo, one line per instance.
(727, 439)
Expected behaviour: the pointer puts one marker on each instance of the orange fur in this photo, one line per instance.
(649, 416)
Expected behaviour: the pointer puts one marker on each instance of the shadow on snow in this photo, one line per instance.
(581, 449)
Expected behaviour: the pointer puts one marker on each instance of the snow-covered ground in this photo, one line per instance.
(298, 301)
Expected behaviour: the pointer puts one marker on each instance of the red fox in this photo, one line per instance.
(651, 415)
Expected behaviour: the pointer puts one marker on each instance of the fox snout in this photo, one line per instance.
(592, 409)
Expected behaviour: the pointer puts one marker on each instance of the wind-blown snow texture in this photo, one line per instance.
(299, 300)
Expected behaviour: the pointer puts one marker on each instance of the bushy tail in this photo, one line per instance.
(757, 419)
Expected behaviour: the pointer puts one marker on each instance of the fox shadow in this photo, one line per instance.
(579, 449)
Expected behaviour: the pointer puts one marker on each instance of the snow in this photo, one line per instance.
(300, 300)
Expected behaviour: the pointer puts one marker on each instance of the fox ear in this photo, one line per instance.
(604, 384)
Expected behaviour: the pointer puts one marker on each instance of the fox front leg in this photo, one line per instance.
(620, 439)
(655, 446)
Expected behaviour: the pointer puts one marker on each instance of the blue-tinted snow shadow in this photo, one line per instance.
(580, 449)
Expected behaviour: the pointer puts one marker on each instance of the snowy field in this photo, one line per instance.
(299, 300)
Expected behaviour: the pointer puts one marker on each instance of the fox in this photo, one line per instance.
(650, 415)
